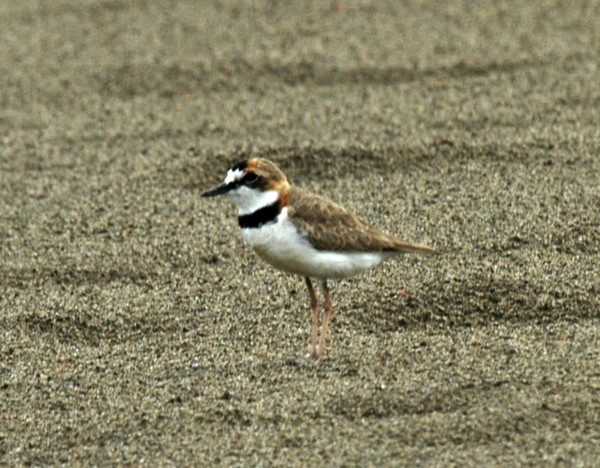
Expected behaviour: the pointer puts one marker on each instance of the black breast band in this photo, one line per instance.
(265, 215)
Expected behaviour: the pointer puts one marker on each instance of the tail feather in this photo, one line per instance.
(407, 247)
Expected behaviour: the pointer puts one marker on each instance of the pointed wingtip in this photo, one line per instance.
(408, 247)
(427, 250)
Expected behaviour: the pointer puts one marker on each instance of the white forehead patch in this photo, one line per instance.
(233, 176)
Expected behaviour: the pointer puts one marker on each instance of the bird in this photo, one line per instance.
(305, 234)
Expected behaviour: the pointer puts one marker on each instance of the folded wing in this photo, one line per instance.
(329, 226)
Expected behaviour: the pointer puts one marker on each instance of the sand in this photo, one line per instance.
(137, 328)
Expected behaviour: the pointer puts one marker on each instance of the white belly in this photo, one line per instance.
(281, 245)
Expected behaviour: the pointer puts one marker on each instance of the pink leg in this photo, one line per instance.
(315, 318)
(326, 317)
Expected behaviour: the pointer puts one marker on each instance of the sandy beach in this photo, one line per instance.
(139, 329)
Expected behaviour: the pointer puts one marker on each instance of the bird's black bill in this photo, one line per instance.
(218, 190)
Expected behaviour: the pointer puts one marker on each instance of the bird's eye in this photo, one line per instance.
(250, 177)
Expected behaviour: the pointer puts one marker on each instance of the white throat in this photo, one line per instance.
(250, 200)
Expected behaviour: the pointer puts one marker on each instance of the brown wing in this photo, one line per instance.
(330, 226)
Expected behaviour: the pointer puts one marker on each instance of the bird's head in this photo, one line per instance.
(253, 184)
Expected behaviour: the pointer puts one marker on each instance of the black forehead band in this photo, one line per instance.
(241, 166)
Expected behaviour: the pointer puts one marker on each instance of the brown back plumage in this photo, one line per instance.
(330, 226)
